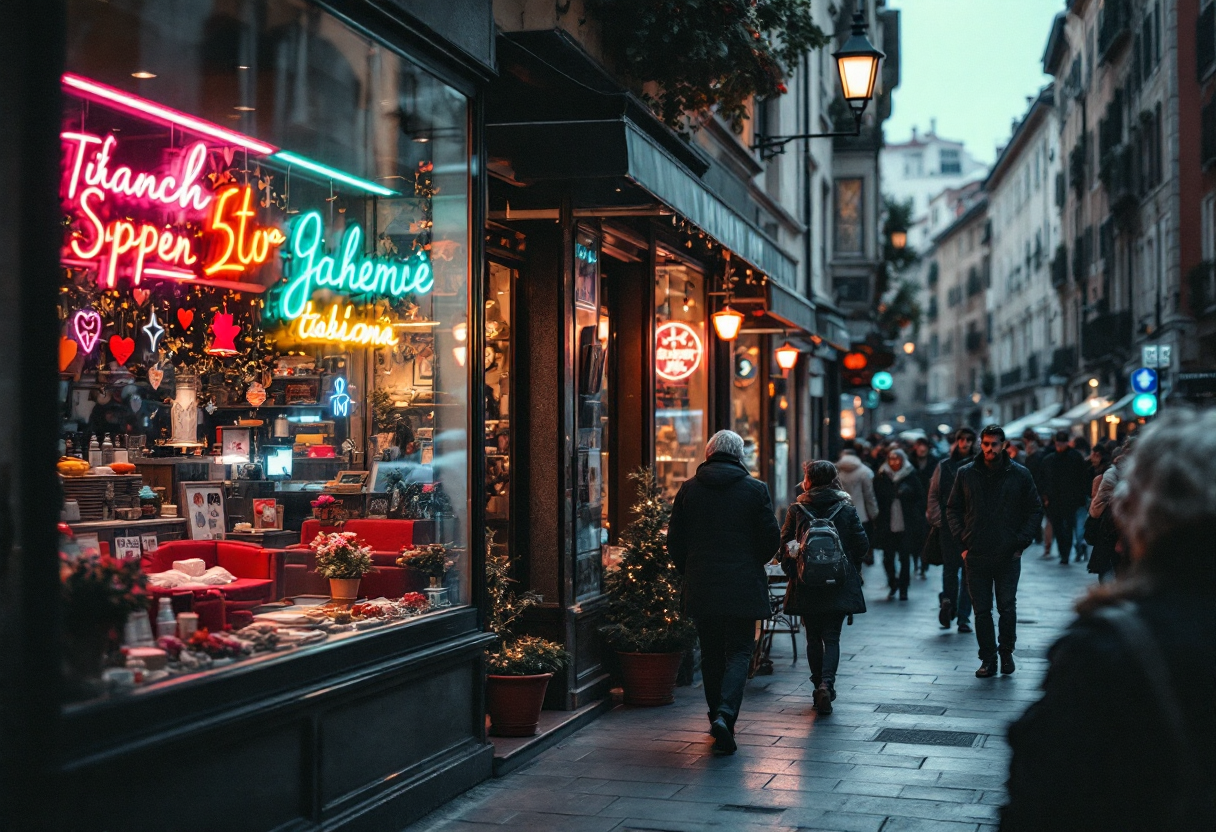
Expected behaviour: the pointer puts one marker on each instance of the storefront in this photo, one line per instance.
(270, 284)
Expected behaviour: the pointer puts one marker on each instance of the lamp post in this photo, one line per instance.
(857, 66)
(787, 356)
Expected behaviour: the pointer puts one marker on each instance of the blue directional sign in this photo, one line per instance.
(1144, 380)
(882, 380)
(1144, 404)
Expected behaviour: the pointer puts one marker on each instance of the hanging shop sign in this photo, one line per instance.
(677, 351)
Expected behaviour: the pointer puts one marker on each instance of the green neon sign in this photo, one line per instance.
(1144, 405)
(346, 271)
(882, 380)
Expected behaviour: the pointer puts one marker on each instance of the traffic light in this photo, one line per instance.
(863, 362)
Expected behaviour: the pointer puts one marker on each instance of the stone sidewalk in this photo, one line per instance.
(867, 767)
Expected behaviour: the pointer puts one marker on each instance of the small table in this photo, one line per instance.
(266, 538)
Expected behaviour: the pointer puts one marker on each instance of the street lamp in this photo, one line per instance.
(787, 356)
(727, 322)
(857, 65)
(899, 240)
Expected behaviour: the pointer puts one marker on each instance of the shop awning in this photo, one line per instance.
(1119, 408)
(1033, 420)
(938, 408)
(1080, 414)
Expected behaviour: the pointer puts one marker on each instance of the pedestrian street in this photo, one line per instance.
(915, 742)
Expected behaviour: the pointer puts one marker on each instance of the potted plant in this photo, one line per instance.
(324, 507)
(99, 593)
(518, 668)
(341, 559)
(645, 625)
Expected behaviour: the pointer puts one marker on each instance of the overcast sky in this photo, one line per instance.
(970, 64)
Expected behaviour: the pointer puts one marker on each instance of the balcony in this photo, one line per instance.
(1120, 176)
(1108, 334)
(1114, 28)
(1011, 378)
(1063, 362)
(974, 341)
(975, 285)
(1059, 267)
(1032, 369)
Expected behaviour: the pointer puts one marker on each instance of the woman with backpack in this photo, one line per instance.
(823, 606)
(900, 528)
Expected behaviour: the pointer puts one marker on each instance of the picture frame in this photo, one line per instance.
(236, 445)
(202, 504)
(351, 478)
(266, 513)
(301, 392)
(127, 548)
(88, 545)
(424, 370)
(586, 270)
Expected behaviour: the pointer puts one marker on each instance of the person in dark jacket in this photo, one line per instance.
(1124, 736)
(722, 531)
(925, 461)
(954, 599)
(1035, 454)
(1065, 489)
(823, 608)
(993, 511)
(901, 519)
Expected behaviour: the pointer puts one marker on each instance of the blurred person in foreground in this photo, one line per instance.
(1124, 737)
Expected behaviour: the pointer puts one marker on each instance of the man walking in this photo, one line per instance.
(857, 480)
(721, 533)
(1065, 489)
(925, 461)
(955, 599)
(993, 511)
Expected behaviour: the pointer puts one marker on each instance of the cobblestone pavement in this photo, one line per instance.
(651, 768)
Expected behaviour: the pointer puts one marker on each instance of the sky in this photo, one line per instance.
(970, 64)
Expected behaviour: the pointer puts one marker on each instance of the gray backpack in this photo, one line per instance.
(821, 559)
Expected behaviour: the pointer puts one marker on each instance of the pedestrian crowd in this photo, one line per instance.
(1140, 512)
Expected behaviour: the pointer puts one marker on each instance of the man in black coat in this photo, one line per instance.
(722, 531)
(1066, 482)
(954, 599)
(993, 511)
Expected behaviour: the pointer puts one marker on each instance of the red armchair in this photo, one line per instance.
(254, 568)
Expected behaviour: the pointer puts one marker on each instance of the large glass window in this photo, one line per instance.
(264, 305)
(681, 374)
(849, 218)
(746, 387)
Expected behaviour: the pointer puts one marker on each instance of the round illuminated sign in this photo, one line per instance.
(855, 361)
(1144, 380)
(1144, 405)
(882, 380)
(677, 351)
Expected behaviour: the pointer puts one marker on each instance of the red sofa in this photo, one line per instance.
(255, 570)
(386, 537)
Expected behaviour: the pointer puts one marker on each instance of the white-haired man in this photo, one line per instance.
(723, 530)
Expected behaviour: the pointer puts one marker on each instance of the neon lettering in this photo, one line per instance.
(677, 351)
(260, 240)
(353, 274)
(336, 327)
(187, 193)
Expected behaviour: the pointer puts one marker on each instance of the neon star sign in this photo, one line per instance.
(345, 271)
(153, 330)
(677, 351)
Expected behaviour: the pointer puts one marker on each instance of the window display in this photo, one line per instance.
(264, 290)
(746, 388)
(681, 374)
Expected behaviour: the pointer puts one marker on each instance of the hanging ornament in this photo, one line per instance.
(209, 407)
(67, 353)
(155, 376)
(185, 317)
(141, 296)
(256, 394)
(224, 333)
(121, 348)
(154, 331)
(87, 325)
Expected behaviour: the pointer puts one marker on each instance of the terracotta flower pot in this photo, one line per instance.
(344, 590)
(514, 703)
(650, 678)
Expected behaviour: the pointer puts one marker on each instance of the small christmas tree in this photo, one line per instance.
(644, 590)
(514, 655)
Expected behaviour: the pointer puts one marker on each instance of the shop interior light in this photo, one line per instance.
(909, 347)
(143, 75)
(727, 323)
(460, 332)
(787, 356)
(461, 354)
(289, 158)
(157, 112)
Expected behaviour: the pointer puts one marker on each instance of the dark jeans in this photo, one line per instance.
(726, 654)
(900, 550)
(868, 528)
(952, 588)
(1063, 523)
(823, 646)
(982, 577)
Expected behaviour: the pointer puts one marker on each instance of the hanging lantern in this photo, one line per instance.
(787, 356)
(727, 323)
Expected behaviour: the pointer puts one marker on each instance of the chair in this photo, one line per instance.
(386, 537)
(255, 570)
(780, 623)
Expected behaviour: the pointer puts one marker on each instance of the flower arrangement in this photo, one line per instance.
(431, 559)
(340, 556)
(415, 602)
(100, 592)
(323, 501)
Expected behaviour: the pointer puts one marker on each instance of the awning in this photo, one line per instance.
(1033, 420)
(938, 408)
(1118, 408)
(1080, 414)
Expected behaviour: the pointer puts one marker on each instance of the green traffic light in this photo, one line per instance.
(1144, 405)
(882, 380)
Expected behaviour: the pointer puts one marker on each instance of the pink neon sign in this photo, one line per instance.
(677, 351)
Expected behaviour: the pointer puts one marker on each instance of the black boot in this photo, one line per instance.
(1007, 665)
(823, 700)
(946, 614)
(724, 737)
(987, 669)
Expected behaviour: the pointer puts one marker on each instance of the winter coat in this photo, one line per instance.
(1034, 464)
(846, 599)
(858, 481)
(904, 486)
(925, 469)
(1066, 480)
(993, 510)
(939, 492)
(1094, 752)
(722, 532)
(1105, 554)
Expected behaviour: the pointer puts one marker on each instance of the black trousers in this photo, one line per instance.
(823, 646)
(898, 549)
(726, 654)
(1063, 524)
(982, 578)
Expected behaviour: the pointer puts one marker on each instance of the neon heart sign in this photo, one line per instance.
(87, 325)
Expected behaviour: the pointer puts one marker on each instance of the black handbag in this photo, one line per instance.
(932, 553)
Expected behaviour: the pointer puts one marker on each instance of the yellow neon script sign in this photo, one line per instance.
(336, 327)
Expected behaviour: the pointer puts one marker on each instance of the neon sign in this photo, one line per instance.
(336, 327)
(224, 333)
(346, 271)
(260, 241)
(87, 325)
(153, 330)
(677, 351)
(339, 399)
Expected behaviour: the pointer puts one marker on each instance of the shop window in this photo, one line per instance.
(264, 306)
(850, 235)
(746, 387)
(681, 374)
(591, 326)
(498, 369)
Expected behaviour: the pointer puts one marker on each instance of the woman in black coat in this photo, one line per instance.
(900, 527)
(823, 608)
